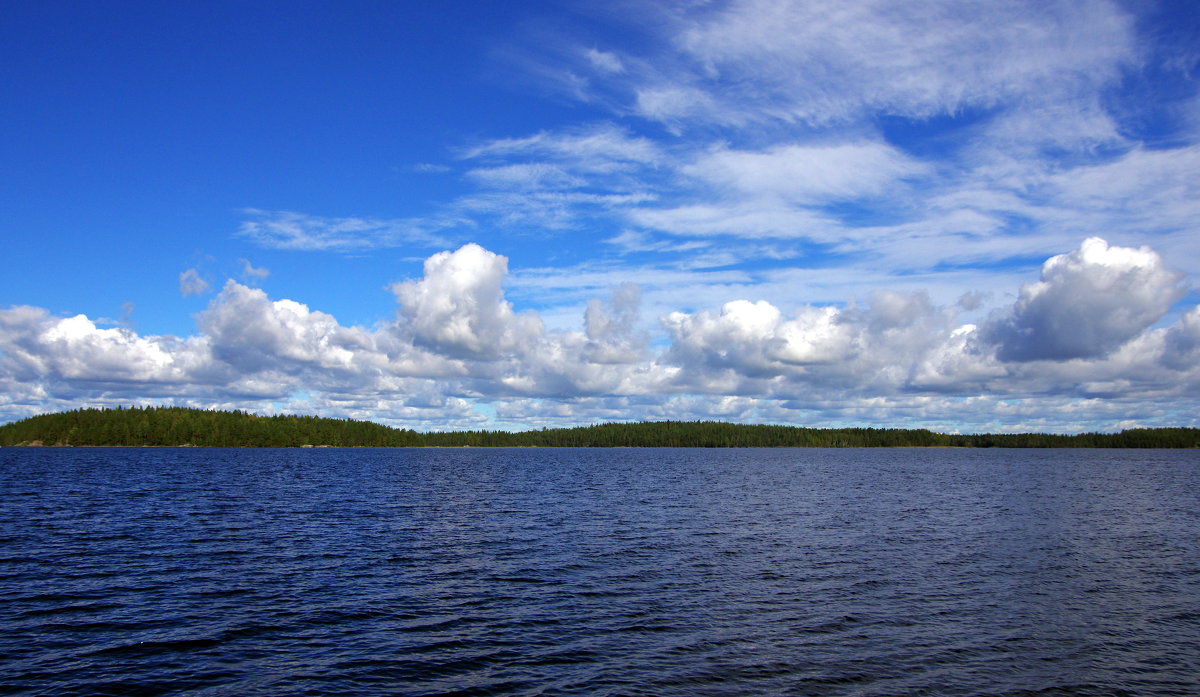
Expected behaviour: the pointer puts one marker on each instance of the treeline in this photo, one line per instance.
(172, 426)
(175, 426)
(693, 434)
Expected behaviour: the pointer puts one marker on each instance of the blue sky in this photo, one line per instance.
(962, 216)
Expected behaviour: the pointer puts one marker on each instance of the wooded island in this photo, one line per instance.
(176, 426)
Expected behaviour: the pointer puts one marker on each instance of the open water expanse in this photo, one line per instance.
(599, 572)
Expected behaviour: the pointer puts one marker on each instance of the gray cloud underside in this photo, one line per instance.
(1080, 343)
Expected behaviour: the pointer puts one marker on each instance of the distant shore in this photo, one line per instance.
(182, 427)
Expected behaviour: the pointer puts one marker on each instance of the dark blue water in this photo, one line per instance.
(599, 572)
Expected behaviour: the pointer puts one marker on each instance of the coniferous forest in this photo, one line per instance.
(175, 426)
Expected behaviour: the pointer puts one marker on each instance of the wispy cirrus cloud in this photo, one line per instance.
(784, 108)
(600, 148)
(302, 231)
(808, 174)
(823, 63)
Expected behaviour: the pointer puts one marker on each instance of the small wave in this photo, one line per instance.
(156, 646)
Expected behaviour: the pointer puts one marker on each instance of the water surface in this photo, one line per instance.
(599, 572)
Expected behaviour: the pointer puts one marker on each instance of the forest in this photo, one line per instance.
(177, 426)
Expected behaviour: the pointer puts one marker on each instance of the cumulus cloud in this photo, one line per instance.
(38, 347)
(1181, 349)
(736, 338)
(612, 328)
(1082, 333)
(250, 332)
(459, 308)
(1087, 303)
(754, 347)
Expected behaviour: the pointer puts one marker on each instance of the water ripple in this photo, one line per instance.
(598, 572)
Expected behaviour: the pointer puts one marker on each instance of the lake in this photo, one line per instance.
(599, 572)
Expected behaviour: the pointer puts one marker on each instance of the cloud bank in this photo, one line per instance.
(1081, 338)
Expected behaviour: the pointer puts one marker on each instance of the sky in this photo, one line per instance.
(969, 216)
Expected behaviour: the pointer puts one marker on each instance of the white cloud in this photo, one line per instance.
(1165, 181)
(557, 180)
(826, 60)
(754, 348)
(672, 104)
(1073, 123)
(459, 309)
(821, 63)
(36, 347)
(605, 62)
(803, 90)
(807, 173)
(251, 333)
(898, 358)
(1088, 303)
(749, 219)
(780, 192)
(597, 148)
(528, 177)
(291, 230)
(737, 337)
(612, 329)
